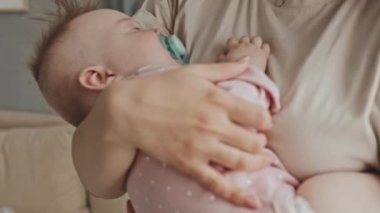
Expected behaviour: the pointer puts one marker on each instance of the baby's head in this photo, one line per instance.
(85, 49)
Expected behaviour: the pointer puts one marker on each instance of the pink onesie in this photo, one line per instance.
(155, 187)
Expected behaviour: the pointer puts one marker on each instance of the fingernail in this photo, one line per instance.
(253, 202)
(244, 60)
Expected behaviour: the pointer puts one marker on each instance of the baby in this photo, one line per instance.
(102, 46)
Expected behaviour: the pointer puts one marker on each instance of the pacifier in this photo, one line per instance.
(175, 47)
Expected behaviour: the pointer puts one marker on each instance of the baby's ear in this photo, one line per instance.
(96, 77)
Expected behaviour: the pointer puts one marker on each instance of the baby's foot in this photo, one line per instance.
(254, 47)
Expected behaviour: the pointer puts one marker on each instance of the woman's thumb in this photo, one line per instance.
(220, 71)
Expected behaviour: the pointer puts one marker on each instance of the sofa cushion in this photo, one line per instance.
(99, 205)
(17, 119)
(36, 171)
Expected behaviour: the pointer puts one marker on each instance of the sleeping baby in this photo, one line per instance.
(95, 52)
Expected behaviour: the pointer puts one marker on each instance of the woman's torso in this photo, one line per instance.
(325, 60)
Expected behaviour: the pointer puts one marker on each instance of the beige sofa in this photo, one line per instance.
(36, 170)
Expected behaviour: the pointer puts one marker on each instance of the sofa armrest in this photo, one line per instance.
(36, 169)
(16, 119)
(99, 205)
(37, 173)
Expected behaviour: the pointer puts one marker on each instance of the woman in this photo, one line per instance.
(326, 63)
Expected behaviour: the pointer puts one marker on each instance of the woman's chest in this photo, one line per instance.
(315, 137)
(325, 61)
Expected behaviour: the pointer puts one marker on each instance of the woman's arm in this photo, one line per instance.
(179, 117)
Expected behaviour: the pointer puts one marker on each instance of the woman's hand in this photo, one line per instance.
(179, 117)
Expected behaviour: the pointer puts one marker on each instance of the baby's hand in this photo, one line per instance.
(253, 47)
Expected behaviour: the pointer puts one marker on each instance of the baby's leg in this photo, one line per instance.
(348, 192)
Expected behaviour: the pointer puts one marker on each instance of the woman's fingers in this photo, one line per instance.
(247, 114)
(217, 183)
(240, 111)
(214, 122)
(218, 72)
(246, 140)
(234, 159)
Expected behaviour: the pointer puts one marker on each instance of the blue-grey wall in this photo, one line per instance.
(18, 34)
(131, 5)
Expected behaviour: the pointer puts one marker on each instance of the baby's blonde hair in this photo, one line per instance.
(41, 62)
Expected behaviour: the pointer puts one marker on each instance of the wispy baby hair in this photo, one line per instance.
(58, 20)
(43, 63)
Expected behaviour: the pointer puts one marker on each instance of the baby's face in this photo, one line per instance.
(119, 42)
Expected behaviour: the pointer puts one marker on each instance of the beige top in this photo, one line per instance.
(325, 60)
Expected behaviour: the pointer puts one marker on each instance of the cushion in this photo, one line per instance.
(36, 171)
(15, 119)
(99, 205)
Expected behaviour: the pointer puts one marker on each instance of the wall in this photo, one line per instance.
(130, 6)
(17, 36)
(18, 33)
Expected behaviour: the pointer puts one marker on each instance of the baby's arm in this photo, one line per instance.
(348, 192)
(101, 163)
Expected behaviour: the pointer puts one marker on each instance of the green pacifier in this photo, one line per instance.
(175, 47)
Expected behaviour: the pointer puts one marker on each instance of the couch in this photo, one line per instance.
(36, 170)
